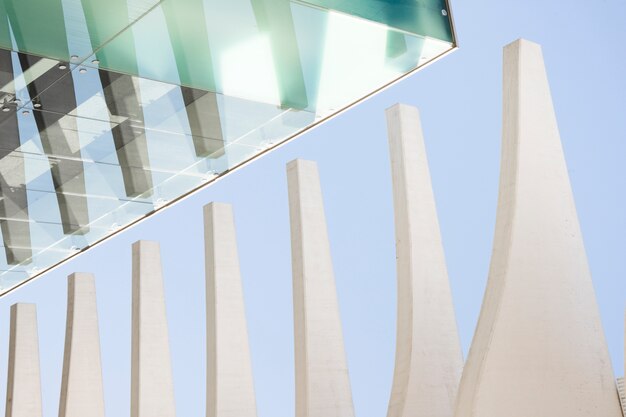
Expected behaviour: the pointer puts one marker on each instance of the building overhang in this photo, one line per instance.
(113, 110)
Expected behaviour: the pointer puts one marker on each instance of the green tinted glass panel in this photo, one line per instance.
(61, 28)
(420, 17)
(110, 110)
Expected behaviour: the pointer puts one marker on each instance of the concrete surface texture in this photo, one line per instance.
(322, 381)
(230, 387)
(152, 387)
(539, 349)
(429, 360)
(81, 385)
(24, 381)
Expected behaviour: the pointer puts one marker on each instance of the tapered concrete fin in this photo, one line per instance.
(230, 387)
(61, 143)
(429, 360)
(122, 96)
(621, 389)
(275, 18)
(13, 202)
(81, 387)
(322, 381)
(152, 387)
(24, 381)
(14, 224)
(203, 116)
(539, 348)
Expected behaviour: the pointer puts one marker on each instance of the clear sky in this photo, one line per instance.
(460, 102)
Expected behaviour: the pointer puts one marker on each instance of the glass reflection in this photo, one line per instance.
(13, 205)
(110, 110)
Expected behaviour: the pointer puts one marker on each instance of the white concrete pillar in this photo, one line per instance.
(230, 387)
(621, 389)
(539, 348)
(81, 387)
(322, 381)
(429, 360)
(23, 382)
(152, 387)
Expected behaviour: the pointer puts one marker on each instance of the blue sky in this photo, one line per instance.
(460, 102)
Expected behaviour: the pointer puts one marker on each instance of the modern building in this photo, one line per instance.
(111, 110)
(539, 321)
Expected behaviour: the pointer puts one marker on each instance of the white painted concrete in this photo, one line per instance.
(81, 386)
(429, 360)
(230, 387)
(23, 382)
(152, 387)
(322, 381)
(539, 349)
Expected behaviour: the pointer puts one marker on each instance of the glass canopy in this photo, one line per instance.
(110, 110)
